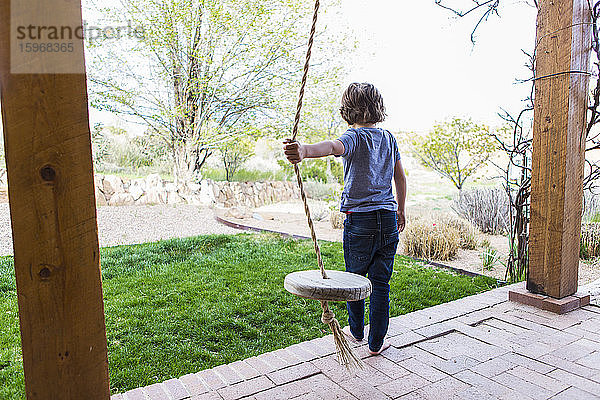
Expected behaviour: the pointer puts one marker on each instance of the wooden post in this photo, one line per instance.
(52, 204)
(563, 45)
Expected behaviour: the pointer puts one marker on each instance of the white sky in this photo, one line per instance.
(422, 60)
(425, 66)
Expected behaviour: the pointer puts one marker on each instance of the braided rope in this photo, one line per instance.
(313, 235)
(344, 352)
(306, 66)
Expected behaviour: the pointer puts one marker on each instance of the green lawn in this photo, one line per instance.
(183, 305)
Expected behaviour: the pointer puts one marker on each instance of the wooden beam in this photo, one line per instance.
(52, 205)
(563, 45)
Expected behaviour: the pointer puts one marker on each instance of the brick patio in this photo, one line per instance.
(479, 347)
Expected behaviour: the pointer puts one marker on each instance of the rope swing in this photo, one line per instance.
(335, 285)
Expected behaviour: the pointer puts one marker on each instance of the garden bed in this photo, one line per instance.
(289, 218)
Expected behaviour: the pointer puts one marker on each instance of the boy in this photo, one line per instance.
(374, 218)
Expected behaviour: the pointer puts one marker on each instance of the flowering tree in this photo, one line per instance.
(202, 72)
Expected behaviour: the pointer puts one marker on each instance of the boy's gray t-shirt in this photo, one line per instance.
(369, 158)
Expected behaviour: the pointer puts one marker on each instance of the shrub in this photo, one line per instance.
(590, 240)
(234, 154)
(466, 230)
(591, 207)
(337, 219)
(426, 239)
(324, 170)
(243, 175)
(318, 190)
(115, 152)
(319, 212)
(100, 145)
(140, 151)
(315, 171)
(486, 208)
(438, 236)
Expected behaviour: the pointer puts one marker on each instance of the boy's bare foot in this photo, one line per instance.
(349, 335)
(384, 346)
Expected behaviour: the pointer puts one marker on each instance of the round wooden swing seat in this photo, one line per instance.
(339, 285)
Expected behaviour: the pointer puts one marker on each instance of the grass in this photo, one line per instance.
(179, 306)
(244, 175)
(216, 174)
(131, 172)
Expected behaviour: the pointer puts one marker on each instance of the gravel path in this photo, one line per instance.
(137, 224)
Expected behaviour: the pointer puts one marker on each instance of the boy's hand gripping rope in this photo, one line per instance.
(344, 352)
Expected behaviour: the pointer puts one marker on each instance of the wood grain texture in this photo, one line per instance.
(563, 44)
(340, 286)
(51, 191)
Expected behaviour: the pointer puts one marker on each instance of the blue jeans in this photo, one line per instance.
(370, 242)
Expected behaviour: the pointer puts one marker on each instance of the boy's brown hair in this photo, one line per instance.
(362, 104)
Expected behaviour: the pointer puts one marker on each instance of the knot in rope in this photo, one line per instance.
(328, 317)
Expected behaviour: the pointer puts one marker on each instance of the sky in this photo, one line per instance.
(422, 60)
(424, 64)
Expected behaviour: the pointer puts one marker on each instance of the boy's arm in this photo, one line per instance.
(296, 152)
(400, 183)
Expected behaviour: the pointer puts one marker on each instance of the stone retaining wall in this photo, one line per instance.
(114, 191)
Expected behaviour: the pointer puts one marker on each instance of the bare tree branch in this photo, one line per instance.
(487, 9)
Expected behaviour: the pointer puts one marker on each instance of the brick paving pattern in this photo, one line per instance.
(479, 347)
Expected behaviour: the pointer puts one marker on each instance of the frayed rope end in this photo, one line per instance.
(344, 352)
(345, 355)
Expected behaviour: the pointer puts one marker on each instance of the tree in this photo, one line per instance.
(99, 145)
(481, 9)
(201, 71)
(455, 149)
(235, 154)
(320, 118)
(322, 121)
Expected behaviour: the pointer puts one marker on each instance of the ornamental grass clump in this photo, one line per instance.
(590, 240)
(438, 237)
(337, 219)
(489, 258)
(426, 239)
(466, 231)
